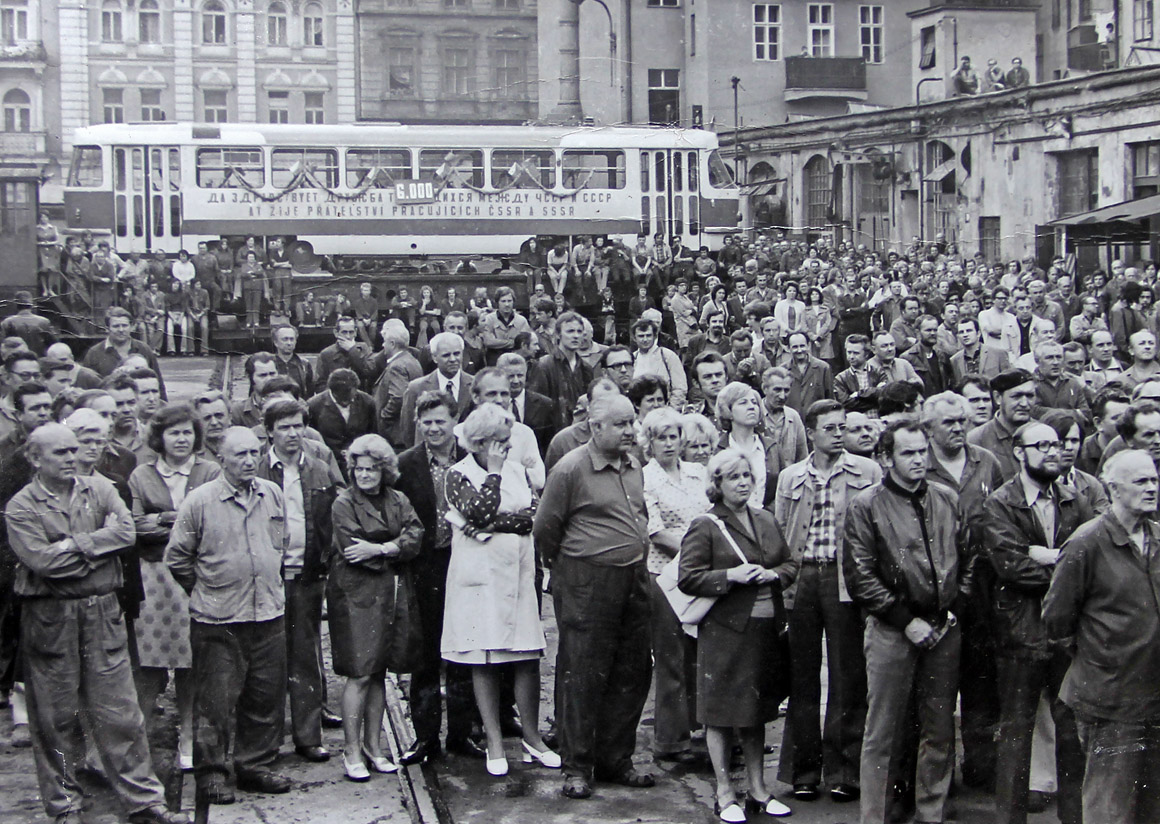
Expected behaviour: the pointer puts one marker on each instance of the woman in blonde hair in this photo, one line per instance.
(491, 615)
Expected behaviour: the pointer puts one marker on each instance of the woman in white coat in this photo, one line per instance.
(491, 615)
(790, 311)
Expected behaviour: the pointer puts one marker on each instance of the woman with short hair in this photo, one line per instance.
(699, 438)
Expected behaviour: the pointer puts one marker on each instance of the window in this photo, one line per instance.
(817, 180)
(13, 21)
(113, 102)
(820, 29)
(380, 167)
(1056, 14)
(86, 167)
(507, 4)
(111, 21)
(17, 201)
(927, 58)
(278, 103)
(1085, 10)
(766, 31)
(664, 97)
(216, 105)
(459, 167)
(1145, 168)
(213, 23)
(322, 165)
(870, 30)
(456, 71)
(17, 111)
(1142, 19)
(873, 192)
(508, 71)
(149, 22)
(1078, 181)
(523, 168)
(989, 239)
(457, 4)
(312, 25)
(276, 25)
(227, 168)
(314, 107)
(596, 169)
(151, 111)
(669, 4)
(401, 72)
(720, 175)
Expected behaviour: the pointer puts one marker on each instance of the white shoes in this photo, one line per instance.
(497, 766)
(380, 763)
(355, 770)
(547, 758)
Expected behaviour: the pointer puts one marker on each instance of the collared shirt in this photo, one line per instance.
(593, 508)
(294, 501)
(1043, 503)
(450, 385)
(342, 410)
(226, 548)
(756, 454)
(822, 533)
(672, 503)
(176, 478)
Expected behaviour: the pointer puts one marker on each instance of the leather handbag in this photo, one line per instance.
(690, 609)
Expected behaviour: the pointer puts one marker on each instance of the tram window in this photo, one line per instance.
(694, 215)
(662, 223)
(693, 176)
(321, 166)
(120, 219)
(645, 216)
(138, 169)
(539, 164)
(174, 170)
(720, 177)
(86, 167)
(119, 169)
(158, 216)
(678, 172)
(598, 169)
(644, 161)
(387, 165)
(678, 215)
(175, 214)
(138, 216)
(660, 160)
(228, 168)
(461, 168)
(156, 169)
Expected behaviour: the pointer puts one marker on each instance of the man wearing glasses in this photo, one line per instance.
(616, 365)
(1025, 522)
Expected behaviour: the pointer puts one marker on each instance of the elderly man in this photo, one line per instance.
(1025, 522)
(1104, 366)
(592, 531)
(782, 423)
(227, 549)
(810, 507)
(1142, 347)
(811, 377)
(1054, 388)
(492, 385)
(447, 351)
(211, 409)
(1102, 595)
(1013, 394)
(399, 368)
(1044, 307)
(529, 407)
(887, 366)
(906, 564)
(66, 532)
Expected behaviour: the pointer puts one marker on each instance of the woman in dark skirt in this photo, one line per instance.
(737, 553)
(375, 533)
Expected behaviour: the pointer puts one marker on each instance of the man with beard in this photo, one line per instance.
(1025, 522)
(1013, 394)
(713, 338)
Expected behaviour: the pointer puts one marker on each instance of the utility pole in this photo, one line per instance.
(736, 81)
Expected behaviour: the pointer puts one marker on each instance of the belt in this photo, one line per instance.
(819, 561)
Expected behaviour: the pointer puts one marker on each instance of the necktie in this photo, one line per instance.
(450, 389)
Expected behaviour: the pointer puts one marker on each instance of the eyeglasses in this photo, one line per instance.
(834, 428)
(624, 365)
(1044, 446)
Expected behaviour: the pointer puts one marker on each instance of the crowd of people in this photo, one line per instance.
(942, 468)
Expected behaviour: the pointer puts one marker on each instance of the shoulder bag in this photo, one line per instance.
(690, 609)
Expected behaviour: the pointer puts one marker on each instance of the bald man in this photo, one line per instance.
(592, 531)
(226, 551)
(67, 532)
(83, 377)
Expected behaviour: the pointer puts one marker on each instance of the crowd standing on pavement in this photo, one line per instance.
(941, 467)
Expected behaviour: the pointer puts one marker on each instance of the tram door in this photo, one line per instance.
(147, 198)
(670, 192)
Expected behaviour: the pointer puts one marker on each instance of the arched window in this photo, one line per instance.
(817, 188)
(312, 22)
(111, 21)
(213, 23)
(17, 111)
(149, 22)
(276, 25)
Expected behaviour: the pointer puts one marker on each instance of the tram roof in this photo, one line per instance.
(392, 135)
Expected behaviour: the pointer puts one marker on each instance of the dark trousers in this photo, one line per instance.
(603, 665)
(1021, 682)
(978, 699)
(304, 660)
(426, 698)
(76, 664)
(1121, 783)
(675, 662)
(239, 673)
(836, 748)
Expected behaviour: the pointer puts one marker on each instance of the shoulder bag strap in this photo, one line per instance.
(728, 537)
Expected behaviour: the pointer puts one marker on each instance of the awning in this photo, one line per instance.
(760, 188)
(1130, 211)
(940, 172)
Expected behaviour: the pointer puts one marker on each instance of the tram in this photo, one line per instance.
(371, 197)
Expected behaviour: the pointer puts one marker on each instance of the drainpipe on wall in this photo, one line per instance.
(628, 61)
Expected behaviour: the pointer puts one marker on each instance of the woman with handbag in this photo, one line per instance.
(370, 597)
(491, 615)
(674, 494)
(736, 553)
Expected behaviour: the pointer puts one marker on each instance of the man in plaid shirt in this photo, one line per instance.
(810, 506)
